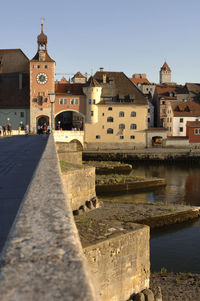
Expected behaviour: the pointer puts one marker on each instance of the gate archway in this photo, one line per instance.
(41, 120)
(69, 120)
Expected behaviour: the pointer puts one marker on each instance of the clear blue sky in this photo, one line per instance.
(129, 36)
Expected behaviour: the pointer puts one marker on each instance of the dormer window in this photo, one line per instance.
(177, 109)
(187, 109)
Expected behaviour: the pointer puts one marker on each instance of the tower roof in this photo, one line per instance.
(42, 38)
(165, 67)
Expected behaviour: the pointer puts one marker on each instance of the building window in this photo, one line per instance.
(180, 129)
(65, 101)
(121, 114)
(110, 119)
(89, 101)
(109, 131)
(121, 137)
(46, 66)
(133, 114)
(148, 110)
(15, 113)
(76, 101)
(72, 101)
(133, 126)
(109, 108)
(21, 114)
(197, 131)
(163, 102)
(98, 136)
(121, 126)
(148, 120)
(94, 101)
(102, 114)
(91, 113)
(181, 119)
(38, 66)
(61, 101)
(132, 137)
(102, 126)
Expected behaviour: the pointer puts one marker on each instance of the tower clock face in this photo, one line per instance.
(42, 78)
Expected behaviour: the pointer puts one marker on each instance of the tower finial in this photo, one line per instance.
(42, 22)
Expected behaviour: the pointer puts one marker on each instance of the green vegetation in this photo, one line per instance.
(116, 179)
(163, 270)
(66, 166)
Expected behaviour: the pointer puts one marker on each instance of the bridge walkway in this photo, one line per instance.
(19, 156)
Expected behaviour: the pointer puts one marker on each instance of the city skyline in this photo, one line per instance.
(130, 37)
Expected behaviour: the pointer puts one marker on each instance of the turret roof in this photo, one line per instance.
(165, 67)
(92, 82)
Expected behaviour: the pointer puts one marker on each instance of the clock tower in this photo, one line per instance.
(42, 70)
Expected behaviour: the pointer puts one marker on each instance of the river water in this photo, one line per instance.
(177, 248)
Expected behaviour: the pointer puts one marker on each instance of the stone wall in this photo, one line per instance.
(113, 146)
(121, 265)
(79, 186)
(43, 259)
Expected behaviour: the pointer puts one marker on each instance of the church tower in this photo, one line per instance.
(165, 74)
(42, 71)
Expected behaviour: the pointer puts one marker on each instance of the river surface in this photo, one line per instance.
(177, 248)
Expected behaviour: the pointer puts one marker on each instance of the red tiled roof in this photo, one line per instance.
(3, 51)
(165, 89)
(186, 109)
(68, 88)
(165, 67)
(139, 80)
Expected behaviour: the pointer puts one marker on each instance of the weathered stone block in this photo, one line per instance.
(149, 296)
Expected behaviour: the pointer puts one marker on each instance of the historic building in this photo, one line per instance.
(179, 114)
(107, 109)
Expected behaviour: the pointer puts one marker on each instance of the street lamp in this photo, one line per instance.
(52, 97)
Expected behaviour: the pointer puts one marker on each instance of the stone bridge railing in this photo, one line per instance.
(68, 136)
(43, 259)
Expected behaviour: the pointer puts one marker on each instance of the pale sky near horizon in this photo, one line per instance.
(129, 36)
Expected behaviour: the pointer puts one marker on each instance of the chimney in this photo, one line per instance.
(86, 75)
(101, 69)
(104, 78)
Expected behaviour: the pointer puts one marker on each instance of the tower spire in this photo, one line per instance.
(42, 38)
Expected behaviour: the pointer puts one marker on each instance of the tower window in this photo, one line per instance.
(89, 101)
(46, 66)
(181, 129)
(181, 119)
(94, 101)
(61, 101)
(38, 66)
(91, 113)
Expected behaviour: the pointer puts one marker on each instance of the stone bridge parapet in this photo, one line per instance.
(43, 258)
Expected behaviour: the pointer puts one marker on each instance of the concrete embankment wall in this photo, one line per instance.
(43, 259)
(121, 265)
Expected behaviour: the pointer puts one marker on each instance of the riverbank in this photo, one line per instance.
(177, 286)
(151, 154)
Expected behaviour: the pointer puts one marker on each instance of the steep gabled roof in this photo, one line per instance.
(78, 75)
(118, 85)
(4, 51)
(194, 91)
